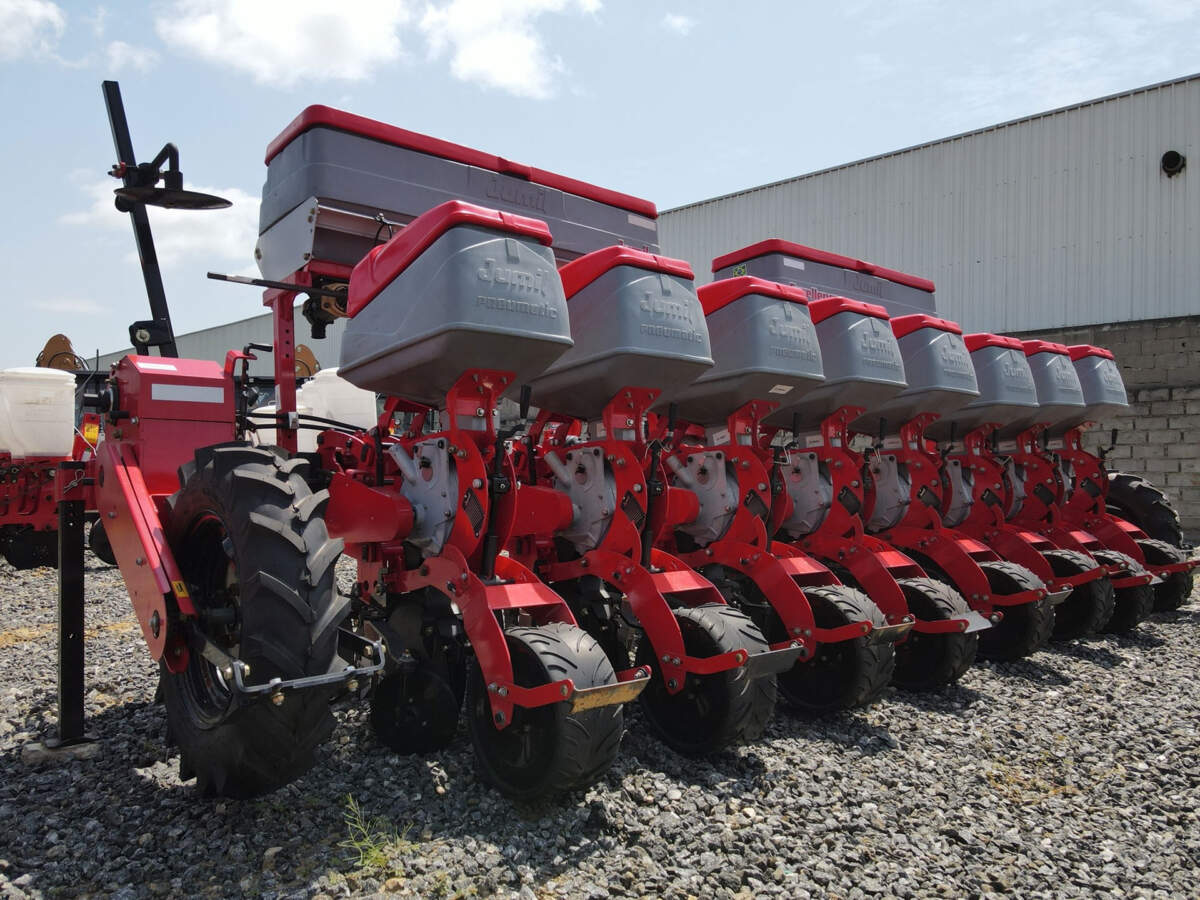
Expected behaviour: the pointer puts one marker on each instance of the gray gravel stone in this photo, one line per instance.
(1074, 772)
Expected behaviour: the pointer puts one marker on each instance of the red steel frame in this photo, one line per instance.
(779, 571)
(617, 560)
(986, 520)
(921, 531)
(841, 539)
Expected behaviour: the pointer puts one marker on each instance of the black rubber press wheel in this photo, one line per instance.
(546, 750)
(716, 711)
(1088, 608)
(928, 661)
(1175, 589)
(844, 674)
(1025, 628)
(1131, 605)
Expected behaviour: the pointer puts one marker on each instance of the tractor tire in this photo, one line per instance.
(251, 544)
(928, 661)
(546, 750)
(1088, 608)
(712, 712)
(842, 675)
(1136, 500)
(99, 544)
(1175, 589)
(1131, 605)
(25, 548)
(1025, 628)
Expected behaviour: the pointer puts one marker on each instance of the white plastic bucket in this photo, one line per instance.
(330, 396)
(37, 412)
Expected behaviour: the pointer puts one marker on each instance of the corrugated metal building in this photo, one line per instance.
(1063, 218)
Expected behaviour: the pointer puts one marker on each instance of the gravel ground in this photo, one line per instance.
(1074, 772)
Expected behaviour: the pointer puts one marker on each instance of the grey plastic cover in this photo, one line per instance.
(445, 314)
(764, 348)
(940, 377)
(1007, 395)
(862, 366)
(1060, 395)
(1103, 387)
(632, 328)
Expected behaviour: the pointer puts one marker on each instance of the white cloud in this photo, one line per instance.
(678, 23)
(97, 20)
(29, 28)
(76, 306)
(494, 42)
(121, 55)
(211, 236)
(283, 42)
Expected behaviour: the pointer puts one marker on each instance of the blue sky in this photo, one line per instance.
(673, 101)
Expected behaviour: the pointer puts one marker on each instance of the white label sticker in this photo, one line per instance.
(187, 393)
(781, 389)
(814, 440)
(794, 263)
(1007, 446)
(892, 443)
(161, 367)
(643, 222)
(719, 437)
(1055, 445)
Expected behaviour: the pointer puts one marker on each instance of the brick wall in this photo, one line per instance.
(1159, 437)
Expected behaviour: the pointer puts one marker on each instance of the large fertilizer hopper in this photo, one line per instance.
(823, 274)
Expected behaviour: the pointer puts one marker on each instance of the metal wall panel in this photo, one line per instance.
(1059, 219)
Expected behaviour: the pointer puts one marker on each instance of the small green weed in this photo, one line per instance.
(371, 839)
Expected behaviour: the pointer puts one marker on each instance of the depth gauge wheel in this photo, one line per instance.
(1025, 628)
(546, 750)
(712, 712)
(1176, 588)
(1131, 605)
(1088, 608)
(927, 661)
(99, 544)
(252, 547)
(845, 674)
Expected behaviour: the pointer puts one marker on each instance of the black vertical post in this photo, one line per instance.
(141, 222)
(70, 614)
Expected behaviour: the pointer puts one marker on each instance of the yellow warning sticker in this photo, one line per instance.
(180, 589)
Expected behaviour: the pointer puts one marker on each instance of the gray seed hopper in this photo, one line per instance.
(636, 322)
(462, 287)
(764, 345)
